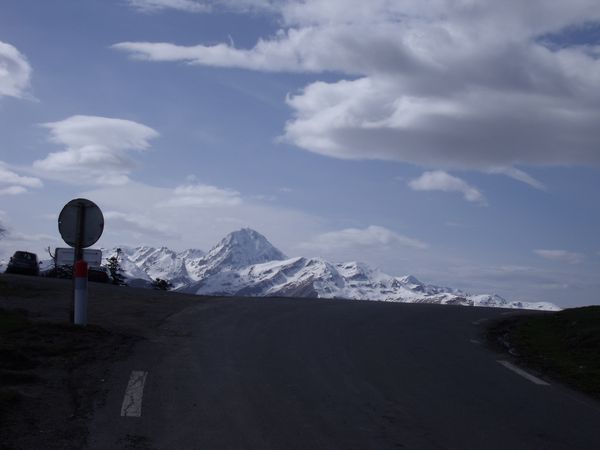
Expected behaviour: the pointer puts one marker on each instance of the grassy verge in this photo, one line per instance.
(12, 320)
(26, 289)
(563, 345)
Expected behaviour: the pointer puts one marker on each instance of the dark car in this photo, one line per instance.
(25, 263)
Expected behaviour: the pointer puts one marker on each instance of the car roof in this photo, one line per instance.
(22, 253)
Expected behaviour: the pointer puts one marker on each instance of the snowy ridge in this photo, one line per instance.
(245, 263)
(144, 264)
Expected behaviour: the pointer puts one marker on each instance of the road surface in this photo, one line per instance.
(302, 374)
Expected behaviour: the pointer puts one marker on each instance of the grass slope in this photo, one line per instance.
(564, 345)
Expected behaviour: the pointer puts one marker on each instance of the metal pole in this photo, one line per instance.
(79, 299)
(81, 281)
(80, 233)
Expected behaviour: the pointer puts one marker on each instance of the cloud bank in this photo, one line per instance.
(442, 84)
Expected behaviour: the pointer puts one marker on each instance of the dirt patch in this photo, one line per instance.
(51, 377)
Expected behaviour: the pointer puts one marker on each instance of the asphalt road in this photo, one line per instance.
(299, 374)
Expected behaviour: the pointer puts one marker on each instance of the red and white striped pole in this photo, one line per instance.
(81, 291)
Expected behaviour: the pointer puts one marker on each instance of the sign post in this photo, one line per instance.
(80, 274)
(65, 256)
(81, 224)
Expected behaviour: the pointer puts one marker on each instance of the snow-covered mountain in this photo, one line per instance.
(141, 265)
(237, 250)
(245, 263)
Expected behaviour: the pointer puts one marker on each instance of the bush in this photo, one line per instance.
(162, 285)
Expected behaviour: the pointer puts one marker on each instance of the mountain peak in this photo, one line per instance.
(243, 248)
(409, 279)
(244, 235)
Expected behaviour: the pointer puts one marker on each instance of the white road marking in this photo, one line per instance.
(475, 341)
(524, 374)
(480, 321)
(132, 403)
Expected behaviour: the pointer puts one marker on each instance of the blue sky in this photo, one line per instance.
(457, 141)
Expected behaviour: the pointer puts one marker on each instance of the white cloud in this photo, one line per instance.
(158, 5)
(13, 190)
(201, 6)
(447, 84)
(519, 175)
(202, 195)
(17, 184)
(442, 181)
(15, 72)
(355, 238)
(292, 50)
(7, 176)
(560, 256)
(96, 149)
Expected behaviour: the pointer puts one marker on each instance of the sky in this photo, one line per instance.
(455, 140)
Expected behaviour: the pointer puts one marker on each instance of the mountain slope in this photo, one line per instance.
(245, 263)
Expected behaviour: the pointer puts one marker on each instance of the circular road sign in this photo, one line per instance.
(81, 216)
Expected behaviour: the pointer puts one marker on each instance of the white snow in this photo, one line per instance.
(131, 271)
(245, 263)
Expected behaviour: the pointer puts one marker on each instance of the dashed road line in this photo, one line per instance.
(524, 374)
(132, 402)
(475, 341)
